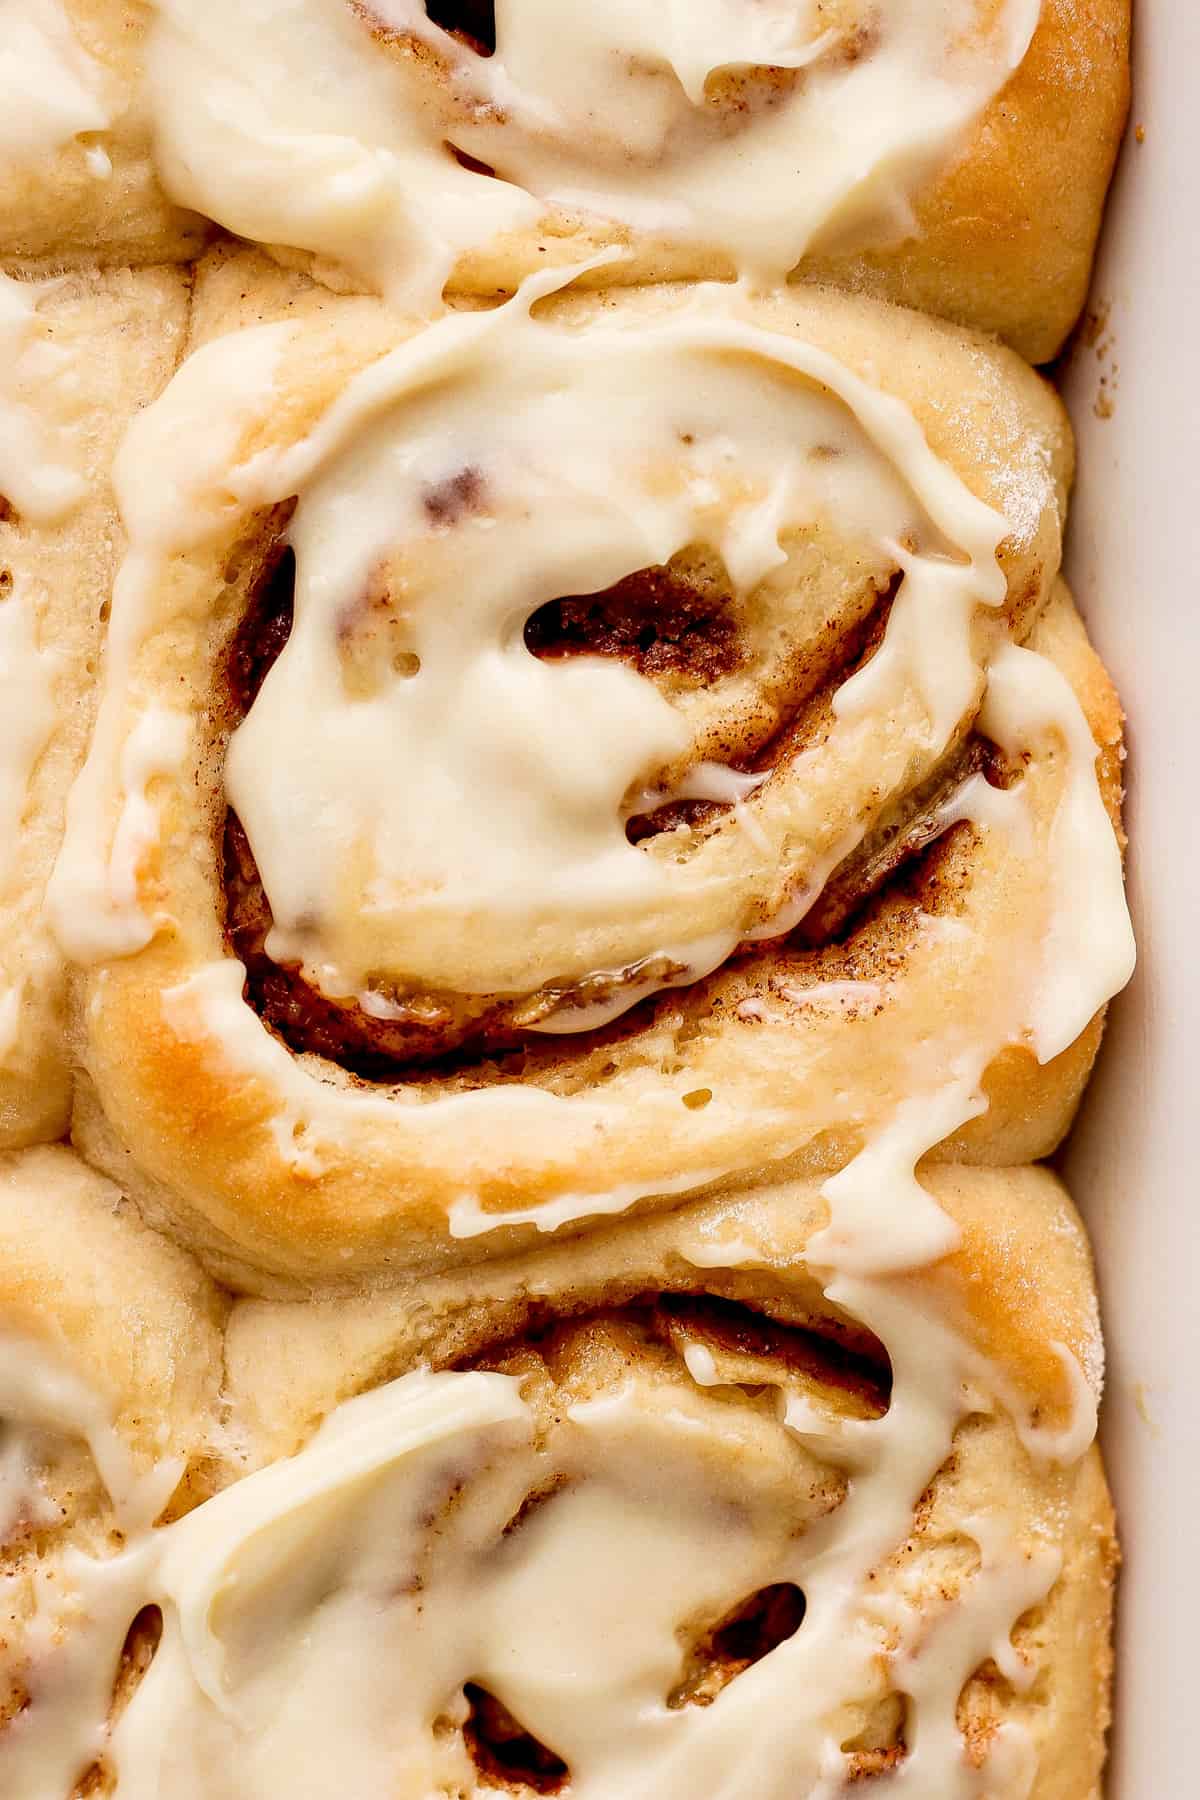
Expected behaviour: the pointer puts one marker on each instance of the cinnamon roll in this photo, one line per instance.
(680, 1507)
(954, 157)
(78, 182)
(574, 755)
(80, 356)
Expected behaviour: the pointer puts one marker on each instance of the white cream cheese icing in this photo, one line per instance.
(756, 128)
(272, 1591)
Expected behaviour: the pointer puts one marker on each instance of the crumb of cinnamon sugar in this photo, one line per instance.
(1095, 324)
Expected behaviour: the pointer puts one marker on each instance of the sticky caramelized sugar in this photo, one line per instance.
(264, 631)
(416, 1032)
(138, 1652)
(668, 620)
(507, 1755)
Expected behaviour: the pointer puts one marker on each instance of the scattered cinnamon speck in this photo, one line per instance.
(1094, 334)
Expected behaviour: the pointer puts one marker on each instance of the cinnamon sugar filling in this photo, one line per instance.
(510, 1757)
(565, 1356)
(8, 516)
(661, 621)
(855, 1366)
(137, 1653)
(679, 623)
(751, 1631)
(472, 22)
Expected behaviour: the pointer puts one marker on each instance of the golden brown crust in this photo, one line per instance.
(118, 336)
(122, 1308)
(244, 1209)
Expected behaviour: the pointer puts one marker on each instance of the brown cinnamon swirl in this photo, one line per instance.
(81, 355)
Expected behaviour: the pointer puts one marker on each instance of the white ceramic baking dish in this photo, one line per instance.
(1132, 1162)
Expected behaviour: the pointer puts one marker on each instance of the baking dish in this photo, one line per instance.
(1132, 384)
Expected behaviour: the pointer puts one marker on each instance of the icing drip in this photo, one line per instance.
(1086, 952)
(1029, 700)
(40, 481)
(59, 85)
(155, 747)
(27, 675)
(37, 1395)
(37, 472)
(64, 1642)
(758, 131)
(26, 681)
(212, 397)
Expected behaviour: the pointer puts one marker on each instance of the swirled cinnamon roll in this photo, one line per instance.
(954, 157)
(78, 357)
(77, 177)
(565, 758)
(681, 1507)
